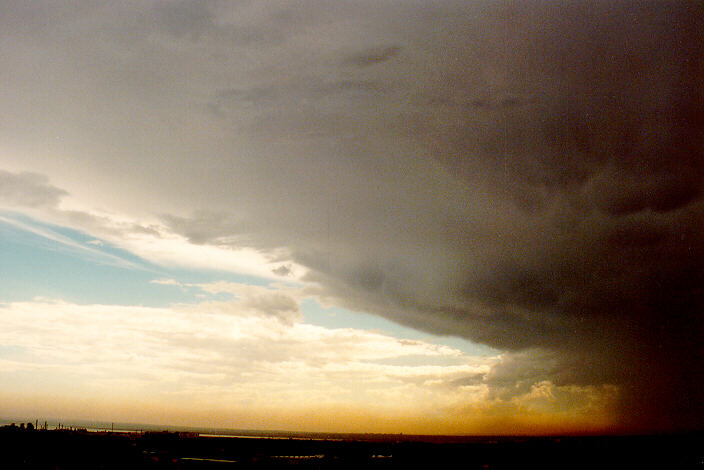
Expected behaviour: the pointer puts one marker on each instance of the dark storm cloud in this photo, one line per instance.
(277, 305)
(526, 175)
(28, 190)
(206, 226)
(184, 17)
(609, 169)
(282, 270)
(591, 126)
(373, 56)
(469, 380)
(303, 92)
(203, 21)
(577, 132)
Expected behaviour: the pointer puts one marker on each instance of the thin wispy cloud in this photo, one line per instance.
(67, 243)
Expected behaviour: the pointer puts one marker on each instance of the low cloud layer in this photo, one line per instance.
(528, 176)
(27, 190)
(243, 363)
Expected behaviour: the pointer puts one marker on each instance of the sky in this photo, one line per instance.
(444, 217)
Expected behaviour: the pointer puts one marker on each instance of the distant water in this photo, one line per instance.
(122, 431)
(242, 436)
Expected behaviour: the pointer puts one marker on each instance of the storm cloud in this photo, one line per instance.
(28, 190)
(527, 176)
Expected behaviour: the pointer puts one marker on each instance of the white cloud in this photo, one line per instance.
(234, 354)
(152, 241)
(175, 250)
(210, 346)
(166, 282)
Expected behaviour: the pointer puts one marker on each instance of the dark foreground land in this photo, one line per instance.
(63, 449)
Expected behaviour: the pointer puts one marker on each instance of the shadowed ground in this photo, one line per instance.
(88, 450)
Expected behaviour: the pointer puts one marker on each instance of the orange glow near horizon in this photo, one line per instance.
(152, 366)
(303, 419)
